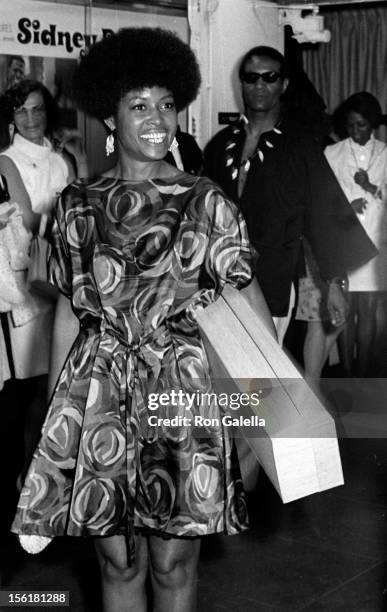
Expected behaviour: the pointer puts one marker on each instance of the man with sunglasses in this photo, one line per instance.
(277, 173)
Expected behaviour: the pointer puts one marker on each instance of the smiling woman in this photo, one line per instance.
(31, 119)
(360, 164)
(35, 174)
(135, 252)
(145, 125)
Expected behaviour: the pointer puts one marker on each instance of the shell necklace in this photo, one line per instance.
(245, 164)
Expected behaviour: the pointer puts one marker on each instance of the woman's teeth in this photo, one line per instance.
(154, 137)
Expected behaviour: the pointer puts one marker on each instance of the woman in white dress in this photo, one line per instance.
(360, 165)
(35, 174)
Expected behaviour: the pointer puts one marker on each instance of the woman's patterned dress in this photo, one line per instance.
(136, 259)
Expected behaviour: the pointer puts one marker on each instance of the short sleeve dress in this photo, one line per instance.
(136, 259)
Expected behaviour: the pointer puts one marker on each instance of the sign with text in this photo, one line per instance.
(52, 30)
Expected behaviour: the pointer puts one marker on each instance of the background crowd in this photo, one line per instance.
(40, 155)
(311, 187)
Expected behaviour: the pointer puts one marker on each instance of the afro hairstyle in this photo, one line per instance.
(363, 103)
(130, 59)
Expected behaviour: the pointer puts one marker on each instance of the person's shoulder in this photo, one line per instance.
(380, 146)
(8, 152)
(8, 166)
(205, 185)
(297, 131)
(186, 139)
(302, 144)
(226, 131)
(194, 185)
(336, 149)
(222, 136)
(211, 200)
(6, 158)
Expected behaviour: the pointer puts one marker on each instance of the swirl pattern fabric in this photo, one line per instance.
(136, 259)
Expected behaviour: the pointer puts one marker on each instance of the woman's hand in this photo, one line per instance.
(337, 304)
(5, 216)
(71, 140)
(361, 178)
(359, 205)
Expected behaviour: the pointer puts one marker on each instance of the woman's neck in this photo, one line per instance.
(141, 171)
(36, 141)
(363, 144)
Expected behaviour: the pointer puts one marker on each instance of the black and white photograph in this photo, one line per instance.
(193, 305)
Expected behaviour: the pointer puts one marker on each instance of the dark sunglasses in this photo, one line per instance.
(267, 77)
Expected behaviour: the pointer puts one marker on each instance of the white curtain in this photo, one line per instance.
(355, 59)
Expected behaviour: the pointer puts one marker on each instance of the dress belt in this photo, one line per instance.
(139, 372)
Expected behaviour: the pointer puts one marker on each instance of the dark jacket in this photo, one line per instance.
(190, 152)
(290, 192)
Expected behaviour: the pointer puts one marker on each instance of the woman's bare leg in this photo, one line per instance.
(317, 345)
(173, 567)
(123, 587)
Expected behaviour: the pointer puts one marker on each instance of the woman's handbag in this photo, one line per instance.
(11, 292)
(37, 276)
(12, 242)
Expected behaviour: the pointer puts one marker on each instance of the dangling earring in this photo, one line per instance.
(174, 145)
(109, 145)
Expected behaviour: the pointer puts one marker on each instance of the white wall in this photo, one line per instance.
(221, 32)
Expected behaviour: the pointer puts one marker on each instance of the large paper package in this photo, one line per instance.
(297, 445)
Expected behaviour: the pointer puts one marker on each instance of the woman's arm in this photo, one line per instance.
(257, 302)
(65, 330)
(18, 193)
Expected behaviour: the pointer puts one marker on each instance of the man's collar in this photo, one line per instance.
(243, 119)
